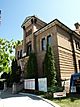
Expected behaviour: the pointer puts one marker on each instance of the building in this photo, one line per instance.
(64, 41)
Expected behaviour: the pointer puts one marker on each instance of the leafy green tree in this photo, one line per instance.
(6, 54)
(49, 67)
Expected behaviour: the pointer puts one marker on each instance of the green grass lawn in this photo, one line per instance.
(68, 102)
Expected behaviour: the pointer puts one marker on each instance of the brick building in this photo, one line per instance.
(64, 41)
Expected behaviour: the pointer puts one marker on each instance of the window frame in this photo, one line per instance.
(49, 36)
(18, 54)
(28, 51)
(21, 53)
(43, 44)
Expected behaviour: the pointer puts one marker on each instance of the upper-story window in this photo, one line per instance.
(43, 44)
(77, 43)
(29, 48)
(20, 53)
(29, 32)
(79, 64)
(49, 39)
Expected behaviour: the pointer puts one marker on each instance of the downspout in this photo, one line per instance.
(73, 52)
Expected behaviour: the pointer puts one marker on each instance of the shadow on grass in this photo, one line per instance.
(74, 97)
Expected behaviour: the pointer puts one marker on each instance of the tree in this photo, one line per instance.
(32, 69)
(16, 71)
(49, 67)
(6, 54)
(32, 66)
(14, 66)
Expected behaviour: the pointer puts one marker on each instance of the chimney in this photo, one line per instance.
(77, 26)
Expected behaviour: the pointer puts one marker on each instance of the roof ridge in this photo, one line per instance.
(29, 17)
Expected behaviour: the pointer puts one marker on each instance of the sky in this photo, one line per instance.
(13, 13)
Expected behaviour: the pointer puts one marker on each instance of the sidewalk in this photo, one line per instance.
(7, 99)
(7, 94)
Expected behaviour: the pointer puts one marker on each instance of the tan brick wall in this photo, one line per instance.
(66, 63)
(40, 54)
(65, 54)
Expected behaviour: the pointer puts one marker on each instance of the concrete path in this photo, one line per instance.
(22, 100)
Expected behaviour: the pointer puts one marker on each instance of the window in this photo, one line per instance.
(77, 44)
(20, 53)
(49, 39)
(29, 48)
(79, 64)
(43, 44)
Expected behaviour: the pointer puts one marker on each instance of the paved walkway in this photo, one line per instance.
(7, 99)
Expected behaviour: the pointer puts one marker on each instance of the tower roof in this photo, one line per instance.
(30, 17)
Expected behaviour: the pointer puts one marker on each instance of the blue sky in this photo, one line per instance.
(15, 11)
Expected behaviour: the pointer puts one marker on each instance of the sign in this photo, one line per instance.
(59, 94)
(42, 83)
(29, 84)
(77, 82)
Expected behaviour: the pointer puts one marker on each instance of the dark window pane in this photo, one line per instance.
(49, 39)
(29, 48)
(43, 44)
(79, 64)
(20, 53)
(77, 44)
